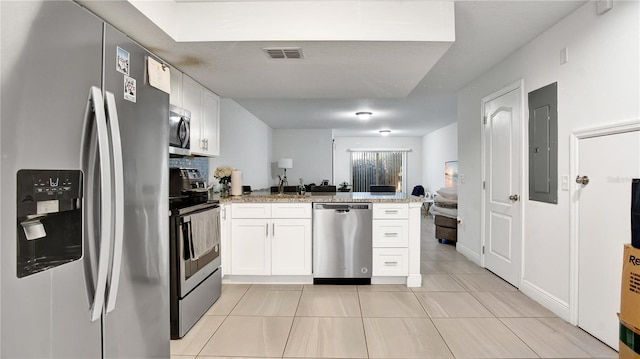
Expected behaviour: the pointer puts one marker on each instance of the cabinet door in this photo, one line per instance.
(291, 247)
(390, 233)
(192, 101)
(390, 262)
(250, 247)
(291, 210)
(175, 98)
(210, 125)
(390, 211)
(251, 210)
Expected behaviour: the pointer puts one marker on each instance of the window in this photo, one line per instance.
(377, 168)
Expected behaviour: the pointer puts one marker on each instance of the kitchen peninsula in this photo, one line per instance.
(267, 237)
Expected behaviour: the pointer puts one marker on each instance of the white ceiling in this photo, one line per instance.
(406, 84)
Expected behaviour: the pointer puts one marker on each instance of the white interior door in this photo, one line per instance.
(610, 162)
(502, 203)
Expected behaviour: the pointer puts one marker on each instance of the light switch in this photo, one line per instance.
(565, 183)
(462, 177)
(564, 56)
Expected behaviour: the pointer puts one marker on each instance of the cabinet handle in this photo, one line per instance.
(273, 229)
(266, 229)
(391, 234)
(390, 211)
(390, 263)
(206, 144)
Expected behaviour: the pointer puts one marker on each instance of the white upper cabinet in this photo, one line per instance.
(210, 126)
(204, 106)
(175, 98)
(192, 102)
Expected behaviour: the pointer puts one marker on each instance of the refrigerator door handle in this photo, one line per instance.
(118, 188)
(95, 106)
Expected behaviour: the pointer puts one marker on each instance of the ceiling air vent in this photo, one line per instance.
(284, 53)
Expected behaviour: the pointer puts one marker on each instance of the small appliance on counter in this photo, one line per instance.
(194, 233)
(186, 186)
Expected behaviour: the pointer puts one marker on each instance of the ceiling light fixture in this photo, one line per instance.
(385, 132)
(364, 115)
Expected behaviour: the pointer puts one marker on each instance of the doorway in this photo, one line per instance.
(502, 204)
(605, 160)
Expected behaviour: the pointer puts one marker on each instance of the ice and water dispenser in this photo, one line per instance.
(49, 219)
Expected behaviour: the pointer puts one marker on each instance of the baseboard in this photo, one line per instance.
(414, 280)
(261, 279)
(388, 280)
(547, 300)
(471, 255)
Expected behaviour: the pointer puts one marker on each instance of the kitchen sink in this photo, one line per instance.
(287, 189)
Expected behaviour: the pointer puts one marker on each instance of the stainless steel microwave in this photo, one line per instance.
(179, 130)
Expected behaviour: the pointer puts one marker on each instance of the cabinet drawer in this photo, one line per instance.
(251, 210)
(391, 233)
(291, 210)
(390, 210)
(390, 262)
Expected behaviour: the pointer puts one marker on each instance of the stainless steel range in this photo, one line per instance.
(195, 249)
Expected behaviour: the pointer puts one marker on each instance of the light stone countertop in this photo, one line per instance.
(266, 196)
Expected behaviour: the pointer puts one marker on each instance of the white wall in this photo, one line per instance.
(599, 85)
(310, 151)
(414, 158)
(438, 147)
(245, 144)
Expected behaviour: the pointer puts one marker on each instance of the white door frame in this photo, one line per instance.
(524, 191)
(574, 243)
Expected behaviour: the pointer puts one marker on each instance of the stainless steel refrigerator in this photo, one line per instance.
(84, 189)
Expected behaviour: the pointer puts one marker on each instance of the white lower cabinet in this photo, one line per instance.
(390, 239)
(250, 247)
(291, 247)
(391, 233)
(390, 262)
(271, 246)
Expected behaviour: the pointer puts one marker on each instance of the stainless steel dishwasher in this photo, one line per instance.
(342, 243)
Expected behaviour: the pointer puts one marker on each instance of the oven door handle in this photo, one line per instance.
(186, 239)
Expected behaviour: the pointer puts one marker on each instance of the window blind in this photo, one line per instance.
(376, 168)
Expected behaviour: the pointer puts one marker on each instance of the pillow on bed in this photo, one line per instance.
(448, 192)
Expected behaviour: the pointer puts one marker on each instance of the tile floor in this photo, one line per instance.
(461, 311)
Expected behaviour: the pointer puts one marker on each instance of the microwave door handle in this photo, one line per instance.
(183, 132)
(95, 110)
(118, 188)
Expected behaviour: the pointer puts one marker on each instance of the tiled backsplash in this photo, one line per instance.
(201, 163)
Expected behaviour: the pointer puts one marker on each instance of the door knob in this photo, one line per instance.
(583, 180)
(514, 197)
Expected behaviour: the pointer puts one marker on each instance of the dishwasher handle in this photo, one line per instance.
(342, 207)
